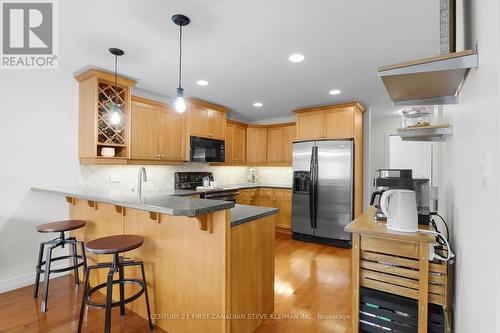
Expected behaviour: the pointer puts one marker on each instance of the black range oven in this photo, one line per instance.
(206, 150)
(192, 180)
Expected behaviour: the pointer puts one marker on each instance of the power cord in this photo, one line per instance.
(434, 225)
(432, 254)
(445, 224)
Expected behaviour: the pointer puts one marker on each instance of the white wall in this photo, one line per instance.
(472, 208)
(38, 144)
(380, 129)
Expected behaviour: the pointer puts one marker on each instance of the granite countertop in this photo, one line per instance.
(255, 185)
(242, 213)
(160, 202)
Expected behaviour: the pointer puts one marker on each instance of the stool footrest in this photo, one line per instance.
(90, 303)
(64, 269)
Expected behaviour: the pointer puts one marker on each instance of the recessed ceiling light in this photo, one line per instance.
(296, 57)
(258, 104)
(202, 82)
(335, 92)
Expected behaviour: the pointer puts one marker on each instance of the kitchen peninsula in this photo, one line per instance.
(204, 259)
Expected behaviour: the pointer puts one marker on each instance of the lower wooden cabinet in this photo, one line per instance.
(248, 197)
(270, 197)
(281, 199)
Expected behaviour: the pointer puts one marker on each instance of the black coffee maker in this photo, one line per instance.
(389, 179)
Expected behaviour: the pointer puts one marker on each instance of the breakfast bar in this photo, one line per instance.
(195, 251)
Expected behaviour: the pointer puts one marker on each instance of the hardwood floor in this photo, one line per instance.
(312, 281)
(312, 294)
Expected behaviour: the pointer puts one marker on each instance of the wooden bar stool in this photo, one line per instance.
(61, 241)
(114, 245)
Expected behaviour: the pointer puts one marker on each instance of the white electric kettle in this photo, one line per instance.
(400, 208)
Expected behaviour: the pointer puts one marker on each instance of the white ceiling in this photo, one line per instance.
(242, 47)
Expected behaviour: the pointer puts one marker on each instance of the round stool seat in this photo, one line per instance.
(114, 244)
(60, 226)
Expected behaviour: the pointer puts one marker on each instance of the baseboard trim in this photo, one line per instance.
(24, 280)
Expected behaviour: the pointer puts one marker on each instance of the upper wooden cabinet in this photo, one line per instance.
(97, 129)
(310, 125)
(206, 120)
(275, 145)
(256, 144)
(339, 123)
(344, 121)
(290, 136)
(236, 137)
(157, 131)
(279, 144)
(327, 122)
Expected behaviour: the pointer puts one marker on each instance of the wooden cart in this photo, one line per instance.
(397, 263)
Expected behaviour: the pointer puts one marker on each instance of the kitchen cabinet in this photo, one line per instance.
(275, 145)
(279, 147)
(281, 199)
(236, 137)
(327, 122)
(310, 125)
(144, 128)
(339, 123)
(206, 120)
(97, 95)
(171, 135)
(248, 197)
(256, 144)
(290, 135)
(157, 131)
(342, 121)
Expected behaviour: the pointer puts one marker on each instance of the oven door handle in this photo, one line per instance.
(221, 195)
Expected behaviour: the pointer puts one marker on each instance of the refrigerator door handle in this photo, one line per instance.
(312, 198)
(316, 172)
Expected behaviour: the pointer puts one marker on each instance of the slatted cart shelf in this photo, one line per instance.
(397, 263)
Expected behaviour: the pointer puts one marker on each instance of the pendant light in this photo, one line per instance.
(180, 20)
(115, 116)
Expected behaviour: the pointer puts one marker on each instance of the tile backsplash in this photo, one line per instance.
(161, 178)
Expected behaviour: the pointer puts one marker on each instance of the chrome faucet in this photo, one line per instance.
(141, 177)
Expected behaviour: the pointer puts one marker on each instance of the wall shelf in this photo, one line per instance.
(436, 133)
(429, 81)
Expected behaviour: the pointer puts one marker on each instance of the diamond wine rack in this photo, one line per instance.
(98, 95)
(108, 133)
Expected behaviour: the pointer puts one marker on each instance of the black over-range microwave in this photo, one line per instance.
(207, 150)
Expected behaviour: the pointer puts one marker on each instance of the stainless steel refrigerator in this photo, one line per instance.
(322, 199)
